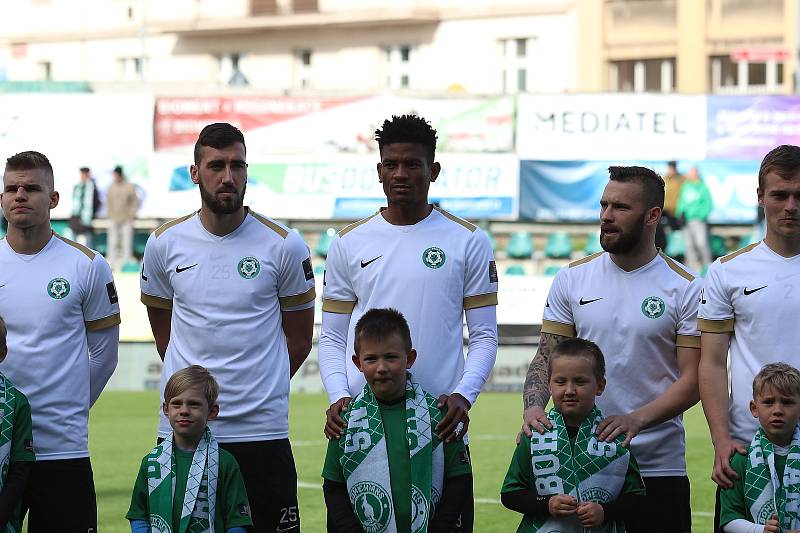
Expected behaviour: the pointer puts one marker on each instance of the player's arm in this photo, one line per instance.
(298, 326)
(103, 358)
(101, 319)
(157, 294)
(161, 326)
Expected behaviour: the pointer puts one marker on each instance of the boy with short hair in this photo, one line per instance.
(16, 445)
(187, 480)
(766, 496)
(566, 479)
(391, 472)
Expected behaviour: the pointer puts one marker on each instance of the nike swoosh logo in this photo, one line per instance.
(748, 292)
(365, 263)
(179, 269)
(3, 285)
(584, 302)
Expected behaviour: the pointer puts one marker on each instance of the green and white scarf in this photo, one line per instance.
(198, 510)
(83, 201)
(7, 404)
(764, 493)
(589, 470)
(365, 460)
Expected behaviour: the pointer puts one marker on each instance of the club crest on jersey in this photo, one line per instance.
(434, 257)
(58, 288)
(249, 267)
(372, 506)
(653, 307)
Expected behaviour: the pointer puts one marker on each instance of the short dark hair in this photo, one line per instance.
(783, 161)
(31, 160)
(577, 347)
(118, 170)
(651, 182)
(673, 164)
(218, 135)
(85, 170)
(379, 324)
(407, 129)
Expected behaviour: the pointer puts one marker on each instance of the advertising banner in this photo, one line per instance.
(571, 190)
(611, 126)
(747, 127)
(309, 125)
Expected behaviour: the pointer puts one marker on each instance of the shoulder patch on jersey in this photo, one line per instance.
(470, 226)
(677, 268)
(350, 227)
(739, 252)
(86, 251)
(269, 223)
(586, 259)
(174, 222)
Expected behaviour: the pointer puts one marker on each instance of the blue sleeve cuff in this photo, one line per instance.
(237, 530)
(140, 526)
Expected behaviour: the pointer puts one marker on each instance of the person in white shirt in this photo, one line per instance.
(432, 266)
(233, 291)
(749, 309)
(62, 313)
(640, 307)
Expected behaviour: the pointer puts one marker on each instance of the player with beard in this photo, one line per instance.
(233, 291)
(640, 307)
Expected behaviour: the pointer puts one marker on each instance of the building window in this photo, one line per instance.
(131, 68)
(229, 71)
(516, 58)
(302, 68)
(45, 70)
(729, 76)
(642, 75)
(397, 60)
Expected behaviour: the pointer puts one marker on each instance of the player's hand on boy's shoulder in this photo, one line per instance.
(613, 426)
(455, 422)
(534, 418)
(334, 423)
(724, 449)
(562, 505)
(591, 514)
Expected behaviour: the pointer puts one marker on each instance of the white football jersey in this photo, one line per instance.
(638, 319)
(49, 300)
(226, 295)
(430, 271)
(754, 294)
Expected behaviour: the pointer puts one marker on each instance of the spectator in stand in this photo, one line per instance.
(673, 182)
(121, 203)
(85, 203)
(694, 207)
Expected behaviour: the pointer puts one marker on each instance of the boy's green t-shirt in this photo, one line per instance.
(232, 507)
(21, 440)
(456, 461)
(732, 504)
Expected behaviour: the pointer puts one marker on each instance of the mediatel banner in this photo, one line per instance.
(318, 125)
(570, 191)
(340, 186)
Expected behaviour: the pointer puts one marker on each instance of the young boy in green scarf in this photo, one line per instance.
(766, 495)
(16, 446)
(187, 481)
(565, 479)
(390, 472)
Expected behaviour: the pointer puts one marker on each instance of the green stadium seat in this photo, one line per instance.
(559, 245)
(319, 269)
(60, 226)
(593, 244)
(551, 270)
(492, 240)
(520, 245)
(101, 242)
(324, 242)
(139, 242)
(515, 270)
(676, 245)
(752, 237)
(717, 245)
(131, 267)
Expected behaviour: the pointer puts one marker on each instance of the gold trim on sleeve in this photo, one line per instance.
(174, 222)
(715, 326)
(297, 299)
(469, 225)
(480, 300)
(86, 251)
(671, 263)
(270, 224)
(558, 328)
(156, 301)
(350, 227)
(687, 341)
(103, 323)
(337, 306)
(739, 252)
(586, 259)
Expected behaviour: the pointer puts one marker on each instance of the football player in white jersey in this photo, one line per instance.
(749, 307)
(233, 291)
(434, 267)
(640, 307)
(62, 314)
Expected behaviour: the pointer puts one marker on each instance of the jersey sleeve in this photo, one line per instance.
(296, 277)
(138, 509)
(480, 272)
(519, 475)
(236, 508)
(716, 308)
(156, 289)
(22, 434)
(687, 335)
(456, 459)
(338, 295)
(101, 303)
(732, 505)
(332, 469)
(557, 318)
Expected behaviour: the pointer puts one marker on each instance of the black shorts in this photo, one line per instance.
(666, 507)
(271, 480)
(60, 496)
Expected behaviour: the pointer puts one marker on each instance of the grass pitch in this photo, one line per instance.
(123, 429)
